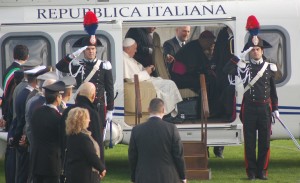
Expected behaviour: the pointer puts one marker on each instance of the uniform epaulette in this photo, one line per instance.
(106, 65)
(273, 67)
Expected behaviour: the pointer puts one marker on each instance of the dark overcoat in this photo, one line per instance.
(156, 153)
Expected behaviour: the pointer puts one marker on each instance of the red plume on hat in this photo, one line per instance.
(253, 27)
(90, 24)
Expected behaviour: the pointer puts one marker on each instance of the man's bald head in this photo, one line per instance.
(88, 90)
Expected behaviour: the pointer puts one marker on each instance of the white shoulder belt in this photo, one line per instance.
(258, 75)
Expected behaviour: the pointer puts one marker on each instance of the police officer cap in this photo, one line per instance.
(85, 41)
(58, 86)
(69, 81)
(261, 43)
(48, 75)
(39, 70)
(32, 63)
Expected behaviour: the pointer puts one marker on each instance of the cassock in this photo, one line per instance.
(165, 89)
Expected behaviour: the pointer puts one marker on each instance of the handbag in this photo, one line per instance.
(178, 67)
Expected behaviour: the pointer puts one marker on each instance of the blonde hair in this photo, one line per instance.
(78, 119)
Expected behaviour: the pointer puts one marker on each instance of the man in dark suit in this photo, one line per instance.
(47, 137)
(10, 81)
(171, 46)
(155, 150)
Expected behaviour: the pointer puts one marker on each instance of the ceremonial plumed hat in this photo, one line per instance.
(32, 63)
(58, 86)
(48, 75)
(85, 41)
(261, 43)
(253, 28)
(69, 81)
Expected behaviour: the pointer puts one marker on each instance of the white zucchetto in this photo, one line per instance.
(127, 42)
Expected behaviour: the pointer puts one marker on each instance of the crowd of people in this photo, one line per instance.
(43, 131)
(46, 136)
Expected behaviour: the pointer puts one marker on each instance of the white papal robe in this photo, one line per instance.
(165, 89)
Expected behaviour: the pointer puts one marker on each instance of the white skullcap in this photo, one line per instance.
(127, 42)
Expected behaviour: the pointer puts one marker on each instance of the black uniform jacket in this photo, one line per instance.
(156, 153)
(102, 79)
(264, 90)
(20, 105)
(46, 135)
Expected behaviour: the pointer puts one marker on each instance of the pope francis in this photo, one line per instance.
(165, 89)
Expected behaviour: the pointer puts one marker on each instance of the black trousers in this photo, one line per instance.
(22, 169)
(256, 119)
(10, 164)
(102, 113)
(45, 179)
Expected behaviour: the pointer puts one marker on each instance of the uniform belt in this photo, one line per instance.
(258, 102)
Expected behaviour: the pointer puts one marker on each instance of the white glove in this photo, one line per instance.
(242, 56)
(275, 114)
(241, 64)
(76, 62)
(77, 52)
(109, 116)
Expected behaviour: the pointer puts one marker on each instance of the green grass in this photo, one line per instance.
(283, 168)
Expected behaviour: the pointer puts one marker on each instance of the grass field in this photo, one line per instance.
(284, 165)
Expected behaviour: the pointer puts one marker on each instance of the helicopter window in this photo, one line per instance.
(39, 48)
(278, 53)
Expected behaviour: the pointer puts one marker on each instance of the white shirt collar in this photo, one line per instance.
(94, 60)
(180, 42)
(257, 62)
(17, 62)
(52, 106)
(29, 87)
(154, 115)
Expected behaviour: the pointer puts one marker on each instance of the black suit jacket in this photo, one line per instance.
(47, 138)
(156, 153)
(9, 85)
(171, 47)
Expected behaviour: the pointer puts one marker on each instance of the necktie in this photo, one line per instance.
(182, 44)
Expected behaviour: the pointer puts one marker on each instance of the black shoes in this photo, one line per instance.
(251, 177)
(219, 156)
(262, 177)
